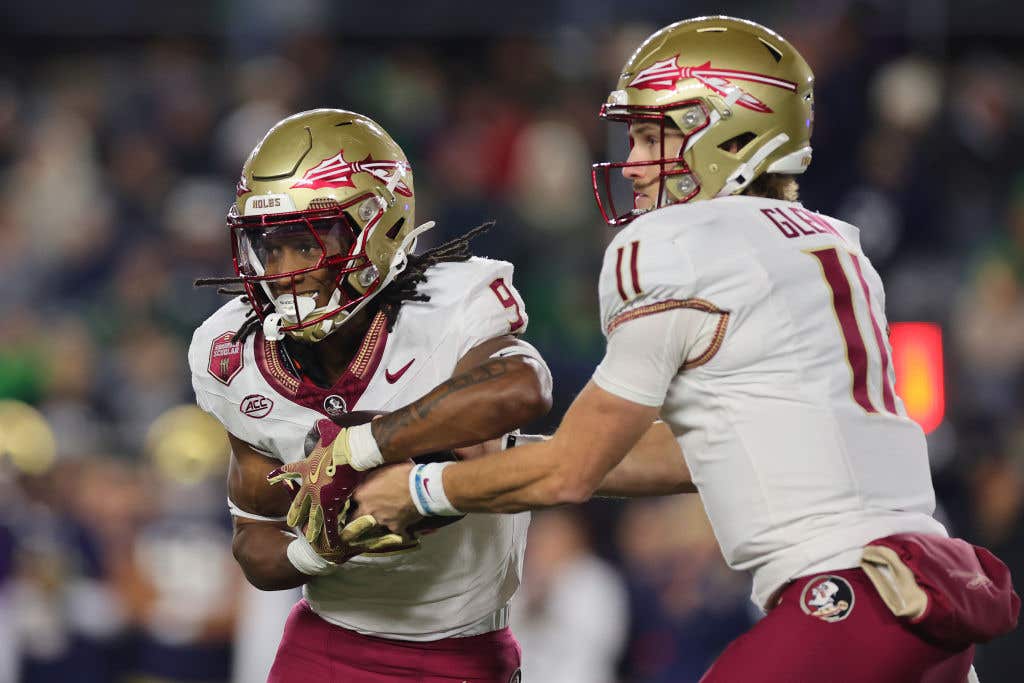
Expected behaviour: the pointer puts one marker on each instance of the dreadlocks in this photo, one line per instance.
(401, 289)
(252, 320)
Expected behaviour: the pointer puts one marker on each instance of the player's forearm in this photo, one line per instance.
(262, 552)
(633, 480)
(653, 467)
(599, 429)
(480, 404)
(536, 480)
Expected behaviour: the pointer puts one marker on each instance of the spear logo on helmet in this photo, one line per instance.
(334, 171)
(664, 75)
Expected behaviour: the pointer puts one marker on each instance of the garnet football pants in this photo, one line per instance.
(834, 627)
(315, 650)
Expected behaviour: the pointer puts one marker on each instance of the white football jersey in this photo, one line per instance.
(461, 574)
(783, 404)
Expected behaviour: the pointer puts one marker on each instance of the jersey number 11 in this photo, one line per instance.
(857, 348)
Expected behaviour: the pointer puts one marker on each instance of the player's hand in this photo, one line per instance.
(321, 485)
(384, 505)
(380, 541)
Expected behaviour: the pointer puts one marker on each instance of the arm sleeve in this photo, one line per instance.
(646, 353)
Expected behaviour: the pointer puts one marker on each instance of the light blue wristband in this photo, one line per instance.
(426, 488)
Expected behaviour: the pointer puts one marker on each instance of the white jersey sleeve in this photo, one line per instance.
(655, 323)
(644, 356)
(492, 307)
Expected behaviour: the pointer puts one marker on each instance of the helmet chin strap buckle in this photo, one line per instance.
(272, 325)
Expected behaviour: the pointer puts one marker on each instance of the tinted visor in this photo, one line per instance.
(277, 250)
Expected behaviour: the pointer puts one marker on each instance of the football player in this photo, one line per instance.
(339, 315)
(756, 329)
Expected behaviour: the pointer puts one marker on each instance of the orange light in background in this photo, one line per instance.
(920, 380)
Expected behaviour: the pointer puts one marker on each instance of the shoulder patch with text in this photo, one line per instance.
(225, 358)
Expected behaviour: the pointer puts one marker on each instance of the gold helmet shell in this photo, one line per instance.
(740, 94)
(325, 169)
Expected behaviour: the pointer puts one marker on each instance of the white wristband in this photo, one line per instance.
(426, 486)
(307, 560)
(363, 452)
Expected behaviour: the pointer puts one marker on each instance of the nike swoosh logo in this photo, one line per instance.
(393, 377)
(426, 485)
(316, 473)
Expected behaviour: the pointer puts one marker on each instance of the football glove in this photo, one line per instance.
(321, 485)
(339, 552)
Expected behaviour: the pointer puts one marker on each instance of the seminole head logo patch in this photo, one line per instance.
(829, 598)
(335, 405)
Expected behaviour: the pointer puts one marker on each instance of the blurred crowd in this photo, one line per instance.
(118, 161)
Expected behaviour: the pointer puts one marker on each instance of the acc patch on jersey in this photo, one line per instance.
(225, 358)
(829, 598)
(256, 405)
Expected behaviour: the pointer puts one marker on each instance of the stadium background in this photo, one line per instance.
(122, 129)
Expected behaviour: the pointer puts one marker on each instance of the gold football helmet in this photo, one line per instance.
(324, 189)
(741, 96)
